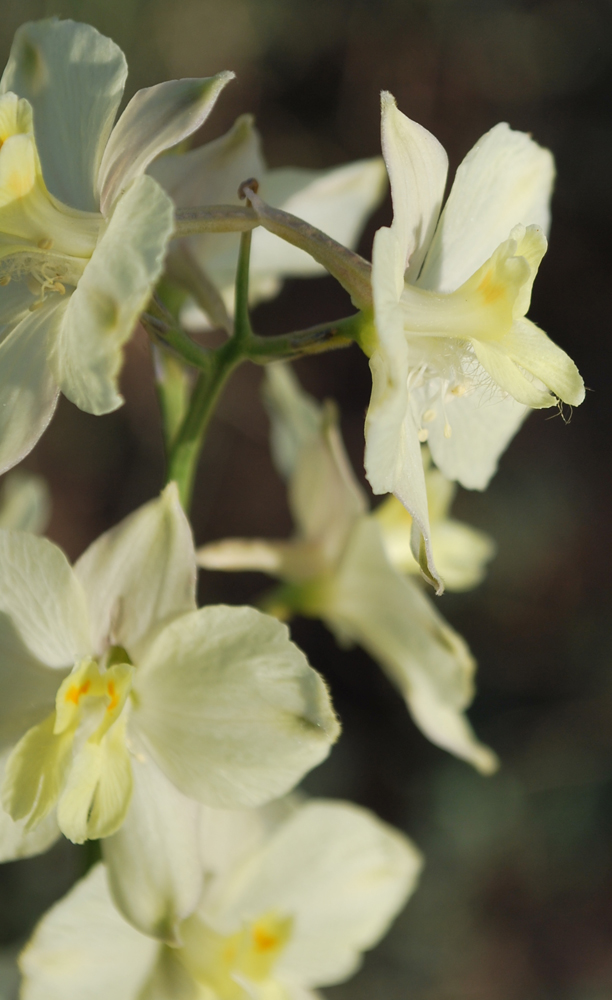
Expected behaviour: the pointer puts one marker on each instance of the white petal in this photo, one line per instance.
(155, 119)
(83, 949)
(74, 78)
(337, 201)
(244, 554)
(229, 836)
(211, 175)
(25, 503)
(431, 665)
(116, 285)
(41, 601)
(504, 180)
(153, 860)
(340, 873)
(295, 416)
(324, 495)
(15, 840)
(393, 460)
(230, 709)
(140, 575)
(417, 166)
(462, 553)
(482, 423)
(28, 390)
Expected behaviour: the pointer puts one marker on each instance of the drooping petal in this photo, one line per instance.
(140, 575)
(324, 495)
(482, 422)
(41, 602)
(295, 417)
(229, 708)
(154, 865)
(86, 354)
(393, 460)
(340, 875)
(15, 840)
(337, 201)
(504, 180)
(155, 119)
(25, 504)
(430, 664)
(417, 165)
(526, 348)
(74, 78)
(28, 390)
(83, 948)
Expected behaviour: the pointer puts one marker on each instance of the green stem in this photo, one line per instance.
(315, 340)
(183, 458)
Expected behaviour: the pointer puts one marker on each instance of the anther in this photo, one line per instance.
(428, 416)
(447, 430)
(45, 244)
(424, 434)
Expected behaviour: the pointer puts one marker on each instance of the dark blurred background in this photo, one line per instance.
(516, 898)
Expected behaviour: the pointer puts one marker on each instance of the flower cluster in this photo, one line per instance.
(176, 735)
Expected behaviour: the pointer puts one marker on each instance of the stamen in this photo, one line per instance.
(428, 416)
(46, 243)
(423, 435)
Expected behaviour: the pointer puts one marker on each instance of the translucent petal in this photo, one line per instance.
(529, 348)
(504, 180)
(42, 601)
(84, 948)
(28, 391)
(482, 422)
(140, 575)
(400, 628)
(393, 460)
(337, 201)
(15, 840)
(230, 709)
(35, 773)
(25, 504)
(295, 417)
(116, 285)
(211, 175)
(155, 119)
(73, 77)
(462, 553)
(153, 860)
(339, 873)
(510, 377)
(417, 166)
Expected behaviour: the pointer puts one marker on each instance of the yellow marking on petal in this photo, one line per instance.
(74, 693)
(490, 289)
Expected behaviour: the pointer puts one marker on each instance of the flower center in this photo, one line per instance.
(231, 964)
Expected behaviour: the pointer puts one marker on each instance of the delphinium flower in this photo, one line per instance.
(338, 200)
(337, 568)
(282, 912)
(83, 230)
(122, 706)
(454, 360)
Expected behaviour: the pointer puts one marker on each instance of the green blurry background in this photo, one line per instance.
(516, 898)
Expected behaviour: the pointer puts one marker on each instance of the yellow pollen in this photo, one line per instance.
(74, 693)
(428, 416)
(490, 290)
(459, 390)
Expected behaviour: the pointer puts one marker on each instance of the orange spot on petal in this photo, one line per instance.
(264, 940)
(113, 695)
